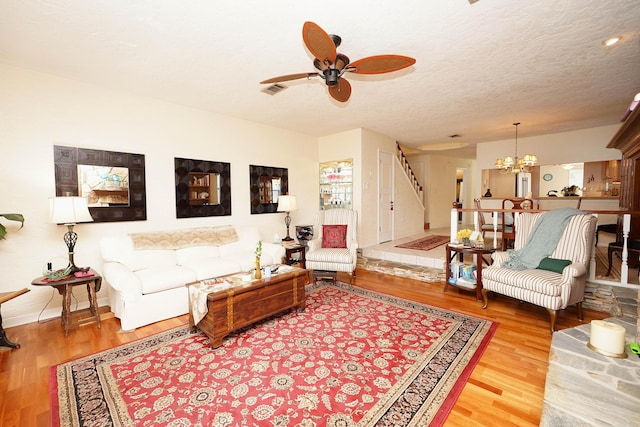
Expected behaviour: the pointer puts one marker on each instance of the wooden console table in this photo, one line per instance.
(65, 288)
(236, 304)
(4, 297)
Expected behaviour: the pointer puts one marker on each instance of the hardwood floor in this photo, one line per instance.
(506, 388)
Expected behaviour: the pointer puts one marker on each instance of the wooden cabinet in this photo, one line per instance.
(627, 140)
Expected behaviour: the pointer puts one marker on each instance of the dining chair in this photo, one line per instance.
(508, 227)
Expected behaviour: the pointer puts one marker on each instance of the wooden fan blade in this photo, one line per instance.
(318, 42)
(289, 77)
(381, 64)
(340, 92)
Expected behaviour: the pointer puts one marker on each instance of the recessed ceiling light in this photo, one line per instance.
(611, 41)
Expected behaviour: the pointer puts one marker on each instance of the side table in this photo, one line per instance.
(479, 259)
(289, 250)
(65, 288)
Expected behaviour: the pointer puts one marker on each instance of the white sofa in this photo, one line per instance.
(146, 272)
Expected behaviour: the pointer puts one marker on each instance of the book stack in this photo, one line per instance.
(463, 275)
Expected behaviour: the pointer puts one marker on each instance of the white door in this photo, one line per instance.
(385, 191)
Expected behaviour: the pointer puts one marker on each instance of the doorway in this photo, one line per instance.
(459, 192)
(385, 192)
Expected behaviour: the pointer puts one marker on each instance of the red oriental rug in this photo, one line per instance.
(354, 357)
(426, 243)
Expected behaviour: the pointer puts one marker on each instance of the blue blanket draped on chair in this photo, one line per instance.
(543, 239)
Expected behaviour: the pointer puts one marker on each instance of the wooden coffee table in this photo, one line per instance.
(237, 304)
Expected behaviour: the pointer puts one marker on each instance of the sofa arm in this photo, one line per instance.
(121, 278)
(499, 258)
(577, 269)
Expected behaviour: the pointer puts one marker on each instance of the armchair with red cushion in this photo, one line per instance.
(335, 247)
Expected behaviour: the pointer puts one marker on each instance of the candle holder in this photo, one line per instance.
(606, 338)
(606, 353)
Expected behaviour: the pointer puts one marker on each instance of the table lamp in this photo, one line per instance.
(287, 204)
(69, 211)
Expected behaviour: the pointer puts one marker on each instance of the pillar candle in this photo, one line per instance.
(607, 336)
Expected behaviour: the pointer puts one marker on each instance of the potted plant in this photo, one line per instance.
(10, 217)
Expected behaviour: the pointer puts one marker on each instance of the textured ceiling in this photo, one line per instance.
(479, 68)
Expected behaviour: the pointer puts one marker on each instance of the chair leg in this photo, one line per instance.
(553, 315)
(485, 297)
(579, 307)
(610, 258)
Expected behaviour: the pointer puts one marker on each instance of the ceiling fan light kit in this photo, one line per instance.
(333, 65)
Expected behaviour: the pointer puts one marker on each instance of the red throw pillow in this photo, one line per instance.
(334, 236)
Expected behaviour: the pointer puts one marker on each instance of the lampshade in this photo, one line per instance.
(287, 203)
(68, 210)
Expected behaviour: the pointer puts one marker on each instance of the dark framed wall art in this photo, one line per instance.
(113, 182)
(203, 188)
(266, 184)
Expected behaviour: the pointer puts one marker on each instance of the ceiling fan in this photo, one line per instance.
(332, 65)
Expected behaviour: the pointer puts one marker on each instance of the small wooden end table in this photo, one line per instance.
(479, 253)
(65, 288)
(289, 250)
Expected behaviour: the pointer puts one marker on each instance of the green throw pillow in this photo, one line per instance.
(553, 264)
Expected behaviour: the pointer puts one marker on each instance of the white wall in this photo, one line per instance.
(440, 186)
(39, 111)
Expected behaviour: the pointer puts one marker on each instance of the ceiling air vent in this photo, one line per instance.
(273, 89)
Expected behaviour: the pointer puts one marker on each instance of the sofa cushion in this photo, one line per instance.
(207, 268)
(339, 255)
(540, 281)
(187, 256)
(120, 249)
(334, 236)
(553, 264)
(168, 277)
(247, 260)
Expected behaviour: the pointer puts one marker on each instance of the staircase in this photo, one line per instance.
(409, 173)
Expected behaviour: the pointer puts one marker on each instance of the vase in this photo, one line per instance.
(466, 242)
(258, 274)
(304, 233)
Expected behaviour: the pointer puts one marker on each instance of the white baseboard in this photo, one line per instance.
(23, 319)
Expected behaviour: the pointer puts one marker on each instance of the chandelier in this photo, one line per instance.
(514, 164)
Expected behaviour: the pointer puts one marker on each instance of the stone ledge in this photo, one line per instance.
(586, 388)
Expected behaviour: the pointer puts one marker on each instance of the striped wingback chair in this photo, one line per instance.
(334, 258)
(549, 289)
